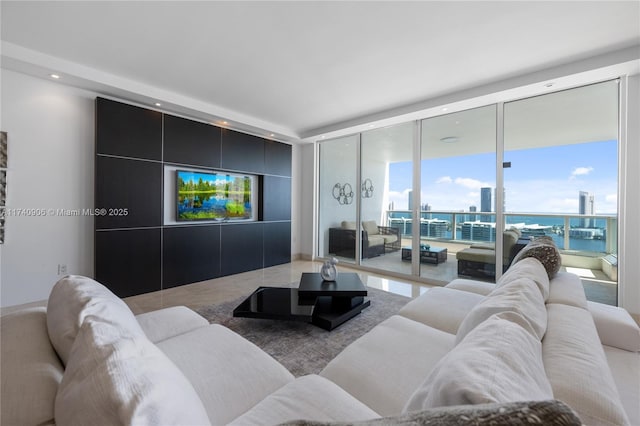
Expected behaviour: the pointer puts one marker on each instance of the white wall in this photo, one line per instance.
(629, 268)
(307, 193)
(51, 161)
(296, 200)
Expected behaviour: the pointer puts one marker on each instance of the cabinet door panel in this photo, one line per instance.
(128, 131)
(190, 142)
(241, 247)
(276, 198)
(133, 185)
(190, 254)
(277, 243)
(242, 152)
(277, 158)
(128, 261)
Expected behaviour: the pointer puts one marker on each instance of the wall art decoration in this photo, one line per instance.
(343, 193)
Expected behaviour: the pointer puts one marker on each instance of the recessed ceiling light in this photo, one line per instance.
(158, 104)
(449, 139)
(55, 76)
(224, 122)
(550, 84)
(371, 126)
(272, 135)
(322, 137)
(445, 109)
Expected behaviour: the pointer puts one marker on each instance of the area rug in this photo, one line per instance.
(301, 347)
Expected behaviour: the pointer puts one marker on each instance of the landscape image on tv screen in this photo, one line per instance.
(213, 196)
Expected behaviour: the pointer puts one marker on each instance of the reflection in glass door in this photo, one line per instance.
(457, 209)
(337, 199)
(386, 194)
(561, 179)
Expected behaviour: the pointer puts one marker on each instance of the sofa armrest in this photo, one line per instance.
(169, 322)
(615, 326)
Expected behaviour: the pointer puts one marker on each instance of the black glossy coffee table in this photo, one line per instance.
(326, 304)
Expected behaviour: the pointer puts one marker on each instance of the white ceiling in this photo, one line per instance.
(305, 69)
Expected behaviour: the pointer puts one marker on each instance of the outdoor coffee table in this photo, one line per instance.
(430, 255)
(326, 304)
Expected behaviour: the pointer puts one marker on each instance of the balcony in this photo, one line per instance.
(588, 244)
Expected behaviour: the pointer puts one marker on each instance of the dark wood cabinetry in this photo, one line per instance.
(191, 142)
(137, 251)
(242, 152)
(128, 131)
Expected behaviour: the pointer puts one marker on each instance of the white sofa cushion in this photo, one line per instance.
(473, 286)
(521, 295)
(117, 378)
(30, 368)
(229, 373)
(499, 361)
(577, 367)
(169, 322)
(615, 326)
(566, 288)
(309, 397)
(442, 308)
(74, 298)
(385, 366)
(531, 268)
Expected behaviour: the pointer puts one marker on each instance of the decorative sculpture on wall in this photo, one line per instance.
(367, 188)
(343, 193)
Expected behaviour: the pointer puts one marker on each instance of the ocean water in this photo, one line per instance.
(557, 224)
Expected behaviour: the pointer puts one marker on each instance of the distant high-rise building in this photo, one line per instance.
(485, 203)
(410, 201)
(472, 217)
(586, 206)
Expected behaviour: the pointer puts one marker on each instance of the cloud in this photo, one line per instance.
(580, 171)
(444, 179)
(472, 183)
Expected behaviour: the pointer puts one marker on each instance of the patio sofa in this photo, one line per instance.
(376, 240)
(87, 358)
(479, 260)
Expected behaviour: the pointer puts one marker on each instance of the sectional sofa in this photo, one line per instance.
(480, 350)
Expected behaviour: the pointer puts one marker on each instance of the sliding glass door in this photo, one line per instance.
(457, 209)
(386, 196)
(337, 199)
(561, 179)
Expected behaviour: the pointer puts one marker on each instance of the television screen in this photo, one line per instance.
(214, 196)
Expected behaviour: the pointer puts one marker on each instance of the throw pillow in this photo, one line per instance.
(116, 378)
(545, 250)
(499, 361)
(523, 413)
(75, 298)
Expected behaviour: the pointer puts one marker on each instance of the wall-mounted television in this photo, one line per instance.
(215, 196)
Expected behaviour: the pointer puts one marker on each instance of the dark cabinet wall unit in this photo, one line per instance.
(136, 251)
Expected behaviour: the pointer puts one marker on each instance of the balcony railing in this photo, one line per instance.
(571, 233)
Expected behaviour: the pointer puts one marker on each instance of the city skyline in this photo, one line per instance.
(542, 180)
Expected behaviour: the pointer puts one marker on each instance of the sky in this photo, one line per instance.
(542, 180)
